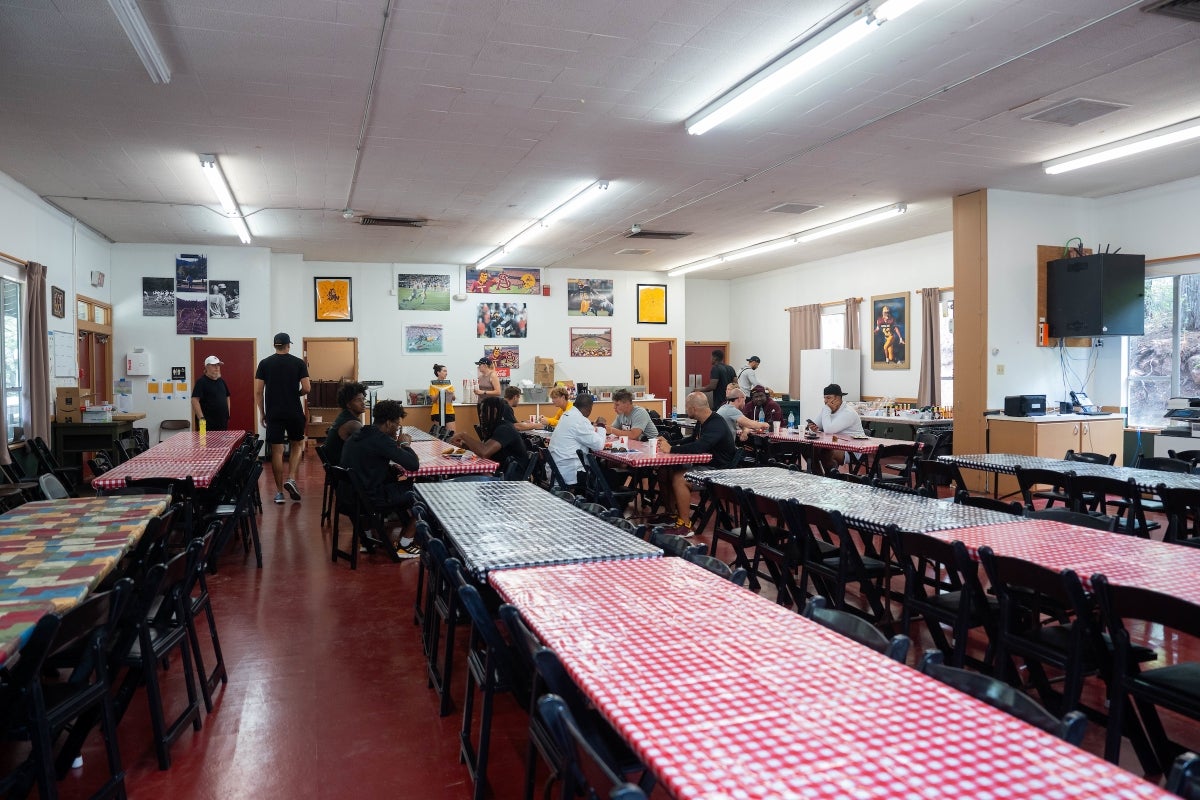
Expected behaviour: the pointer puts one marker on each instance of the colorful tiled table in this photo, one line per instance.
(195, 455)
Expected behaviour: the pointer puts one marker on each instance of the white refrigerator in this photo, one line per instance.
(818, 369)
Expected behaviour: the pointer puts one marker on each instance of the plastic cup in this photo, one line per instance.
(775, 427)
(652, 444)
(623, 441)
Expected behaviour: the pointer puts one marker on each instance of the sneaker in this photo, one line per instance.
(412, 550)
(291, 488)
(684, 528)
(279, 498)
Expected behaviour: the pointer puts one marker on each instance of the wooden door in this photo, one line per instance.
(241, 360)
(661, 378)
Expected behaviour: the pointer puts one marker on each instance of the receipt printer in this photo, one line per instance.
(1025, 405)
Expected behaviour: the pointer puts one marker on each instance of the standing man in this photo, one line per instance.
(712, 436)
(748, 377)
(721, 376)
(836, 417)
(279, 383)
(210, 397)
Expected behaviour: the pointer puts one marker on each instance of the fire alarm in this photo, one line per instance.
(545, 290)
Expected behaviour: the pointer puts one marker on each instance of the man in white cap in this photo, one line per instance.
(280, 382)
(210, 397)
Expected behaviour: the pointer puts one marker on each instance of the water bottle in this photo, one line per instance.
(761, 416)
(791, 421)
(674, 415)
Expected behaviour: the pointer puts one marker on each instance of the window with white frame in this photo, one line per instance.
(833, 326)
(1165, 360)
(10, 346)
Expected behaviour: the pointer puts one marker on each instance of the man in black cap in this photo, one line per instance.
(748, 377)
(836, 417)
(279, 383)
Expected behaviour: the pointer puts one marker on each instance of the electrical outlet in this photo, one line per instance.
(999, 369)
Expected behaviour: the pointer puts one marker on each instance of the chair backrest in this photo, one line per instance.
(1120, 604)
(598, 482)
(1092, 493)
(1091, 458)
(1186, 455)
(901, 455)
(173, 425)
(1177, 465)
(1182, 507)
(717, 567)
(673, 544)
(581, 759)
(52, 487)
(990, 503)
(563, 494)
(1077, 518)
(998, 694)
(556, 478)
(857, 629)
(321, 454)
(1184, 780)
(1060, 481)
(901, 488)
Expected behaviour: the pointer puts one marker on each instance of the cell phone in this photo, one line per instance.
(809, 422)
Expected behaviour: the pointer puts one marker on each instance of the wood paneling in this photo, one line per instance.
(1045, 254)
(970, 325)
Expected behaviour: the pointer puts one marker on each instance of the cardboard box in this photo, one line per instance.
(71, 398)
(543, 371)
(68, 417)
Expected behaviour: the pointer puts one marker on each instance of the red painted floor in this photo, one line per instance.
(327, 696)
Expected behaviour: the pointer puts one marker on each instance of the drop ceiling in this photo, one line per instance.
(485, 114)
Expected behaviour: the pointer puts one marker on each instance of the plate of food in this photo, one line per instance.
(862, 436)
(455, 452)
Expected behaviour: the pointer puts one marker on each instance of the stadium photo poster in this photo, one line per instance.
(591, 342)
(423, 292)
(424, 339)
(504, 356)
(191, 295)
(331, 297)
(158, 297)
(504, 280)
(501, 321)
(589, 297)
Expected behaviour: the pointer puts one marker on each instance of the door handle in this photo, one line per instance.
(1075, 430)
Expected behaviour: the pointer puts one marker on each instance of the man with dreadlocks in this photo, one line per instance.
(501, 440)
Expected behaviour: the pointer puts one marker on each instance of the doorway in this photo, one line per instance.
(697, 361)
(240, 357)
(653, 365)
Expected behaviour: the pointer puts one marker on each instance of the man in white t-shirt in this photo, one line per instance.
(836, 417)
(748, 377)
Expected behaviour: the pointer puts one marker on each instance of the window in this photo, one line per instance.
(10, 345)
(947, 341)
(1165, 360)
(833, 326)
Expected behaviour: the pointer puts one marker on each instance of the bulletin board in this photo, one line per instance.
(62, 353)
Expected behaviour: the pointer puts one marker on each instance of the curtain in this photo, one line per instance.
(804, 334)
(36, 344)
(929, 381)
(853, 331)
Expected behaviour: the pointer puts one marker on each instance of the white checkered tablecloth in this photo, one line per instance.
(836, 441)
(640, 457)
(724, 694)
(863, 507)
(436, 465)
(1126, 560)
(1006, 463)
(181, 456)
(503, 524)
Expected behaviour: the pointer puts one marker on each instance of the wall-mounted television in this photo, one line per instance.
(1096, 295)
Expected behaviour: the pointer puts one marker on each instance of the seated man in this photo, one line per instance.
(739, 423)
(836, 417)
(369, 454)
(512, 398)
(762, 404)
(712, 436)
(560, 398)
(574, 432)
(501, 441)
(632, 421)
(352, 399)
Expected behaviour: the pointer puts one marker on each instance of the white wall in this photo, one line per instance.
(708, 318)
(758, 322)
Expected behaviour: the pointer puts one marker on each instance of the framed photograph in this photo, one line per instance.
(501, 321)
(331, 297)
(504, 356)
(652, 303)
(504, 280)
(420, 292)
(58, 302)
(889, 332)
(158, 297)
(589, 297)
(424, 339)
(591, 342)
(224, 299)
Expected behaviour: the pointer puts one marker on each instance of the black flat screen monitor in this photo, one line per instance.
(1098, 295)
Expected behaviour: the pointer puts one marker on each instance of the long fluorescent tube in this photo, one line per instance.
(1151, 140)
(211, 169)
(143, 41)
(854, 26)
(850, 223)
(571, 205)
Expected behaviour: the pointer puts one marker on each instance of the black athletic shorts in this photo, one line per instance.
(289, 428)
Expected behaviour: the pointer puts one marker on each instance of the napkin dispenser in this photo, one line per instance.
(1025, 405)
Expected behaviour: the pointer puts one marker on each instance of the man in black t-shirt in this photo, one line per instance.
(714, 436)
(210, 397)
(500, 441)
(721, 376)
(352, 398)
(279, 383)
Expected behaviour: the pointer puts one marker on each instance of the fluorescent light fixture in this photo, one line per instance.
(844, 33)
(568, 207)
(143, 41)
(211, 169)
(1151, 140)
(850, 223)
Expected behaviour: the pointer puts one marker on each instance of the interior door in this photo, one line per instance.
(659, 381)
(241, 359)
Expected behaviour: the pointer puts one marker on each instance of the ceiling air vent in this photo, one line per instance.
(1180, 9)
(793, 208)
(639, 232)
(633, 251)
(1075, 112)
(393, 222)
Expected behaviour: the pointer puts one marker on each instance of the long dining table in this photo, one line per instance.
(199, 456)
(436, 461)
(1006, 464)
(724, 694)
(52, 553)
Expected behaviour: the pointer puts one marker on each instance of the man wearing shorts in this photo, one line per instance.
(279, 383)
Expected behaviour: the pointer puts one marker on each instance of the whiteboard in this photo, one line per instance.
(62, 353)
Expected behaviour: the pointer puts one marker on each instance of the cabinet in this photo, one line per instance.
(1052, 437)
(330, 361)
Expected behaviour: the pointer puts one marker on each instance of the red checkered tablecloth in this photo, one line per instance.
(436, 465)
(640, 457)
(1125, 560)
(836, 441)
(183, 455)
(724, 694)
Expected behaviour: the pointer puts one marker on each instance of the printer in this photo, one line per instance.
(1025, 405)
(1182, 414)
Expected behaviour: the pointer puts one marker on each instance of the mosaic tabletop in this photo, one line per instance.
(640, 456)
(437, 463)
(1126, 560)
(863, 507)
(195, 455)
(1146, 479)
(724, 694)
(505, 524)
(53, 553)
